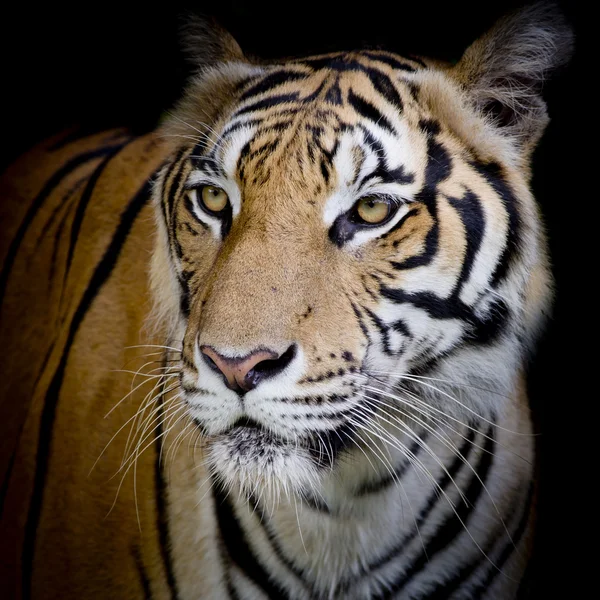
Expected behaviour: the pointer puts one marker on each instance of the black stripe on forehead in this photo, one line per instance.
(345, 62)
(271, 81)
(390, 60)
(369, 111)
(269, 102)
(380, 80)
(208, 164)
(383, 84)
(383, 172)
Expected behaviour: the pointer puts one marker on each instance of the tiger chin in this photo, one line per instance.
(349, 273)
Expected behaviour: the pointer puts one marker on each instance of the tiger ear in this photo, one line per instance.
(504, 71)
(205, 43)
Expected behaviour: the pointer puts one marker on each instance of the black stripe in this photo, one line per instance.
(335, 62)
(172, 189)
(383, 84)
(268, 103)
(315, 503)
(387, 175)
(64, 203)
(368, 110)
(444, 589)
(489, 328)
(162, 519)
(44, 450)
(471, 213)
(231, 591)
(382, 328)
(139, 565)
(390, 61)
(48, 188)
(274, 542)
(272, 81)
(493, 174)
(359, 317)
(83, 204)
(438, 169)
(334, 94)
(58, 236)
(189, 205)
(335, 440)
(508, 549)
(413, 212)
(434, 306)
(5, 483)
(374, 487)
(481, 330)
(433, 499)
(453, 525)
(238, 550)
(324, 170)
(236, 126)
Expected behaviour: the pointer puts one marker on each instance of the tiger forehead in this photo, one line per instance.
(292, 117)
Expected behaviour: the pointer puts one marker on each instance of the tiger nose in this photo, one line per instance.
(245, 373)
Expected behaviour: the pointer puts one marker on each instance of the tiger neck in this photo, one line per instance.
(387, 508)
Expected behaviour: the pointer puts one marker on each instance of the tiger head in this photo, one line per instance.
(345, 238)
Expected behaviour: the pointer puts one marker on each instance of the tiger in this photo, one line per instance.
(277, 347)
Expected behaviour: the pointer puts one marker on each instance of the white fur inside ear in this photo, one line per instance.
(504, 70)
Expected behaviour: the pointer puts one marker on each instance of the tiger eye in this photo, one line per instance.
(372, 210)
(214, 199)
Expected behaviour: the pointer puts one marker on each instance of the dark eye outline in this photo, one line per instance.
(392, 204)
(194, 198)
(349, 223)
(200, 200)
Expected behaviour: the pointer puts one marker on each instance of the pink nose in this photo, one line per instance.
(245, 373)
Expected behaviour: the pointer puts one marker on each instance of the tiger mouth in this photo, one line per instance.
(248, 431)
(247, 423)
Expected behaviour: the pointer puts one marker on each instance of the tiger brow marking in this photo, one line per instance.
(437, 170)
(271, 81)
(369, 111)
(391, 61)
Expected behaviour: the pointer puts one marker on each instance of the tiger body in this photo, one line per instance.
(382, 445)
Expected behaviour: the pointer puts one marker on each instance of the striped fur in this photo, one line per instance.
(391, 455)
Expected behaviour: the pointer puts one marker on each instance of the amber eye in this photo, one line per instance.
(213, 199)
(372, 210)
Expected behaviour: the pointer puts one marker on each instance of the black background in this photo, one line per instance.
(101, 64)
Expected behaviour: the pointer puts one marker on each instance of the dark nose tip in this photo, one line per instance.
(245, 373)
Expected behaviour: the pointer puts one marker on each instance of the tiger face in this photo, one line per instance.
(337, 234)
